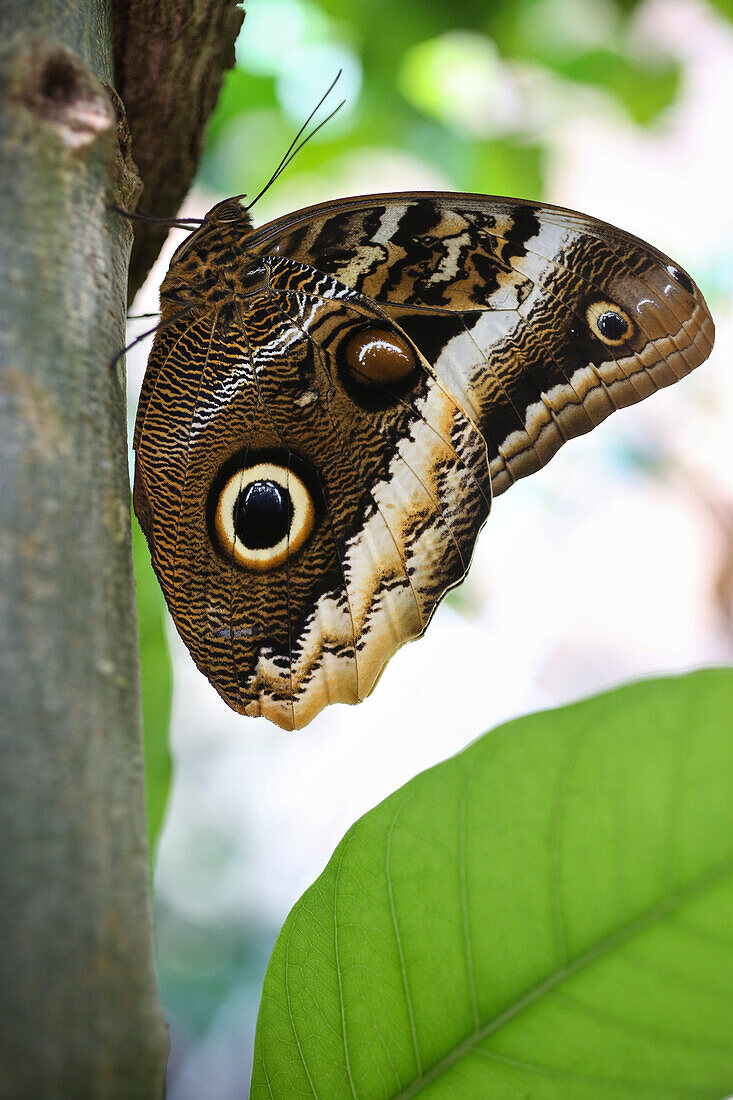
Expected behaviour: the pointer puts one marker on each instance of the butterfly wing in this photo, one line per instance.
(309, 489)
(539, 320)
(317, 443)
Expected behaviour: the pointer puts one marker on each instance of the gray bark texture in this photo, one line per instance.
(79, 1011)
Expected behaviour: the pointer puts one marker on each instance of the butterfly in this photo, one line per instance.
(333, 400)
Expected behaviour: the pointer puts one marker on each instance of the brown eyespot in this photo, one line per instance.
(263, 515)
(379, 356)
(609, 323)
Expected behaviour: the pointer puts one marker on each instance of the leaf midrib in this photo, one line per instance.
(655, 915)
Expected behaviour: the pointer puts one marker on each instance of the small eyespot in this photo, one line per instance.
(263, 515)
(609, 323)
(682, 278)
(379, 355)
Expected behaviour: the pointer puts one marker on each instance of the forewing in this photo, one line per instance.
(507, 300)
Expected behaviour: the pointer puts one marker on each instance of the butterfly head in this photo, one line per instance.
(229, 214)
(212, 266)
(225, 224)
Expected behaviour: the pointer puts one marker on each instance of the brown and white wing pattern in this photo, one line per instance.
(332, 400)
(539, 320)
(319, 493)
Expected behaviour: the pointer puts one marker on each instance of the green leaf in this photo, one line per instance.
(643, 89)
(157, 685)
(547, 914)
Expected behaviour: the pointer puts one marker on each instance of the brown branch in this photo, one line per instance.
(170, 60)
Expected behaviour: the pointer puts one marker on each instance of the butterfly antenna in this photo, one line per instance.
(310, 135)
(294, 148)
(169, 223)
(143, 335)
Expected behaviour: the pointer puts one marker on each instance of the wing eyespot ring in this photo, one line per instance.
(609, 322)
(377, 355)
(377, 366)
(263, 515)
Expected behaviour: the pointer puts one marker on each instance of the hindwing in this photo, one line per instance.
(392, 474)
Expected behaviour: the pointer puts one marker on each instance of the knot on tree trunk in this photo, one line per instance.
(53, 84)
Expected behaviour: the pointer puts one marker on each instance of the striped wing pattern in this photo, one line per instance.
(320, 432)
(496, 293)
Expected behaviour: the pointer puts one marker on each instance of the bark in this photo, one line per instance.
(78, 1000)
(170, 60)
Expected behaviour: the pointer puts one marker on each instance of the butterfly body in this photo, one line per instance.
(332, 399)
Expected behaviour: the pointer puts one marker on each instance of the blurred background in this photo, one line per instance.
(617, 108)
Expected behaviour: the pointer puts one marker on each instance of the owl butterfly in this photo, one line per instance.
(332, 401)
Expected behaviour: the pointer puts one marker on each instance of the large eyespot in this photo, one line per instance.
(263, 515)
(609, 323)
(377, 366)
(682, 278)
(378, 355)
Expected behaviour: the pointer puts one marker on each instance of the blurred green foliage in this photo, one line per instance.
(467, 89)
(725, 7)
(157, 685)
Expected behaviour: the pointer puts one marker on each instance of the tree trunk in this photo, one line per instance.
(78, 1001)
